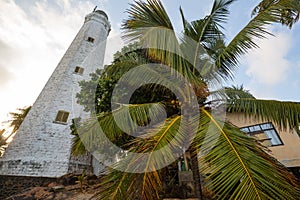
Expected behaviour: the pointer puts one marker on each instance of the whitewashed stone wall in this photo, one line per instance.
(42, 147)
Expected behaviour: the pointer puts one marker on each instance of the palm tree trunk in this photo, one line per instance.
(196, 174)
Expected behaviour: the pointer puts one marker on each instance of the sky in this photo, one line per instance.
(34, 35)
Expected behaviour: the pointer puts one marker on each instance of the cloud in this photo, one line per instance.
(31, 45)
(34, 35)
(6, 53)
(5, 76)
(114, 44)
(268, 65)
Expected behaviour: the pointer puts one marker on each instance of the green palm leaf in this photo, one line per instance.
(162, 147)
(237, 92)
(88, 133)
(228, 93)
(203, 38)
(209, 27)
(145, 185)
(238, 168)
(284, 114)
(3, 142)
(149, 23)
(17, 118)
(288, 16)
(255, 29)
(143, 16)
(116, 185)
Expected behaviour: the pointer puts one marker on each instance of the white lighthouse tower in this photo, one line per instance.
(42, 146)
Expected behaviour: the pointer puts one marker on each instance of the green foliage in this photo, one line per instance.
(3, 142)
(284, 114)
(15, 121)
(2, 138)
(82, 180)
(236, 165)
(288, 16)
(238, 92)
(17, 118)
(78, 148)
(95, 94)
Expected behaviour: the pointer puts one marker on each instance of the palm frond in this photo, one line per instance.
(220, 12)
(255, 29)
(238, 92)
(146, 183)
(143, 15)
(114, 185)
(284, 114)
(96, 133)
(155, 75)
(3, 141)
(149, 23)
(164, 144)
(18, 117)
(183, 19)
(78, 148)
(238, 168)
(209, 27)
(228, 93)
(203, 39)
(288, 16)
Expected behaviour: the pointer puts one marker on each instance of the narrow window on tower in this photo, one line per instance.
(90, 39)
(78, 70)
(62, 117)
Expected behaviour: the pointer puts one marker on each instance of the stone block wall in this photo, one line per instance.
(11, 185)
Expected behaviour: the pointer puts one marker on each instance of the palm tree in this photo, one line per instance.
(3, 142)
(237, 167)
(17, 118)
(15, 122)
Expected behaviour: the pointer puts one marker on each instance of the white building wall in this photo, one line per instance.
(41, 147)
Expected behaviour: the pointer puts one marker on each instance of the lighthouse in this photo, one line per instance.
(42, 145)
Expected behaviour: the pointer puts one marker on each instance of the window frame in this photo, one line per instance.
(262, 130)
(79, 71)
(91, 39)
(61, 118)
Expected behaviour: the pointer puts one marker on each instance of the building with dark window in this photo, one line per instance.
(284, 144)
